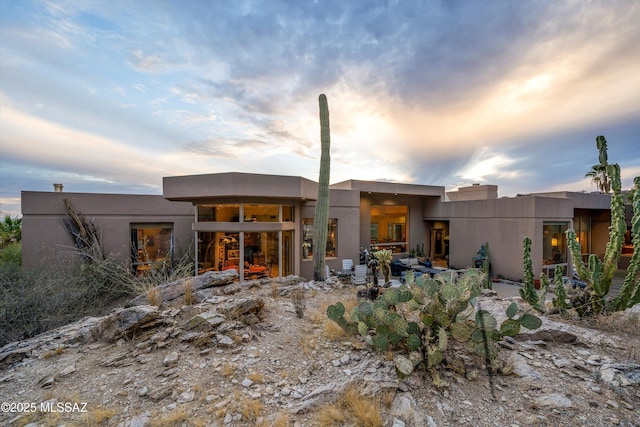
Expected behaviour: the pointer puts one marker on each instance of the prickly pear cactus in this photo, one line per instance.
(423, 315)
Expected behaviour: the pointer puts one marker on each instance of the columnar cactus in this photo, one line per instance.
(528, 291)
(560, 301)
(630, 292)
(321, 220)
(598, 274)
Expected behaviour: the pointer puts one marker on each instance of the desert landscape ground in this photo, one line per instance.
(240, 355)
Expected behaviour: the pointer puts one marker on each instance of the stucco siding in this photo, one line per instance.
(344, 206)
(45, 238)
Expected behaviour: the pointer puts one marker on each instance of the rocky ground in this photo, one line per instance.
(240, 355)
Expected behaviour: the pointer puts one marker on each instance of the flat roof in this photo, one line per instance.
(236, 184)
(390, 188)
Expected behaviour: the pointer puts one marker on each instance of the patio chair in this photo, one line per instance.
(347, 265)
(359, 276)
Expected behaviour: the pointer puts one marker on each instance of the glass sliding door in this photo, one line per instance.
(287, 253)
(260, 254)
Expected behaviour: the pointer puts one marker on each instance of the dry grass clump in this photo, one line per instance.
(55, 352)
(332, 331)
(153, 296)
(228, 369)
(281, 420)
(307, 341)
(250, 409)
(275, 289)
(297, 296)
(256, 377)
(177, 417)
(352, 408)
(188, 293)
(619, 323)
(97, 416)
(317, 315)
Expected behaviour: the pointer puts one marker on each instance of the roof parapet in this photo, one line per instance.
(474, 192)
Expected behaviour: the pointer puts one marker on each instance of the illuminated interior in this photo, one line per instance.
(253, 254)
(554, 243)
(151, 246)
(389, 227)
(307, 238)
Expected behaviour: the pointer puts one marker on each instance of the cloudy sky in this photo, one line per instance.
(111, 96)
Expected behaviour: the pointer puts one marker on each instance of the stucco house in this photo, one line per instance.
(262, 224)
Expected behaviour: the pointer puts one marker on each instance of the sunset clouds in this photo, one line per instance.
(112, 96)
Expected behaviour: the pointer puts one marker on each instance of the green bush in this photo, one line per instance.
(11, 255)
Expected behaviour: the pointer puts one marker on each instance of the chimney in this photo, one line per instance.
(57, 188)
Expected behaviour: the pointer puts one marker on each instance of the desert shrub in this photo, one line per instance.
(11, 255)
(69, 288)
(32, 302)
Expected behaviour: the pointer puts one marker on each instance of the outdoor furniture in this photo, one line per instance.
(550, 269)
(256, 271)
(347, 265)
(359, 276)
(403, 264)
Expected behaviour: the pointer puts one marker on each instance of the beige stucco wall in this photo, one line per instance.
(344, 206)
(503, 223)
(45, 239)
(474, 192)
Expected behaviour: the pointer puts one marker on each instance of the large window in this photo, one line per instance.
(252, 252)
(287, 213)
(252, 212)
(151, 246)
(554, 243)
(219, 213)
(218, 251)
(389, 227)
(582, 226)
(307, 238)
(261, 213)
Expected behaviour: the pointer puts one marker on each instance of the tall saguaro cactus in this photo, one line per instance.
(321, 220)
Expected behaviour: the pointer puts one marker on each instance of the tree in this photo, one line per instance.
(10, 230)
(598, 173)
(321, 220)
